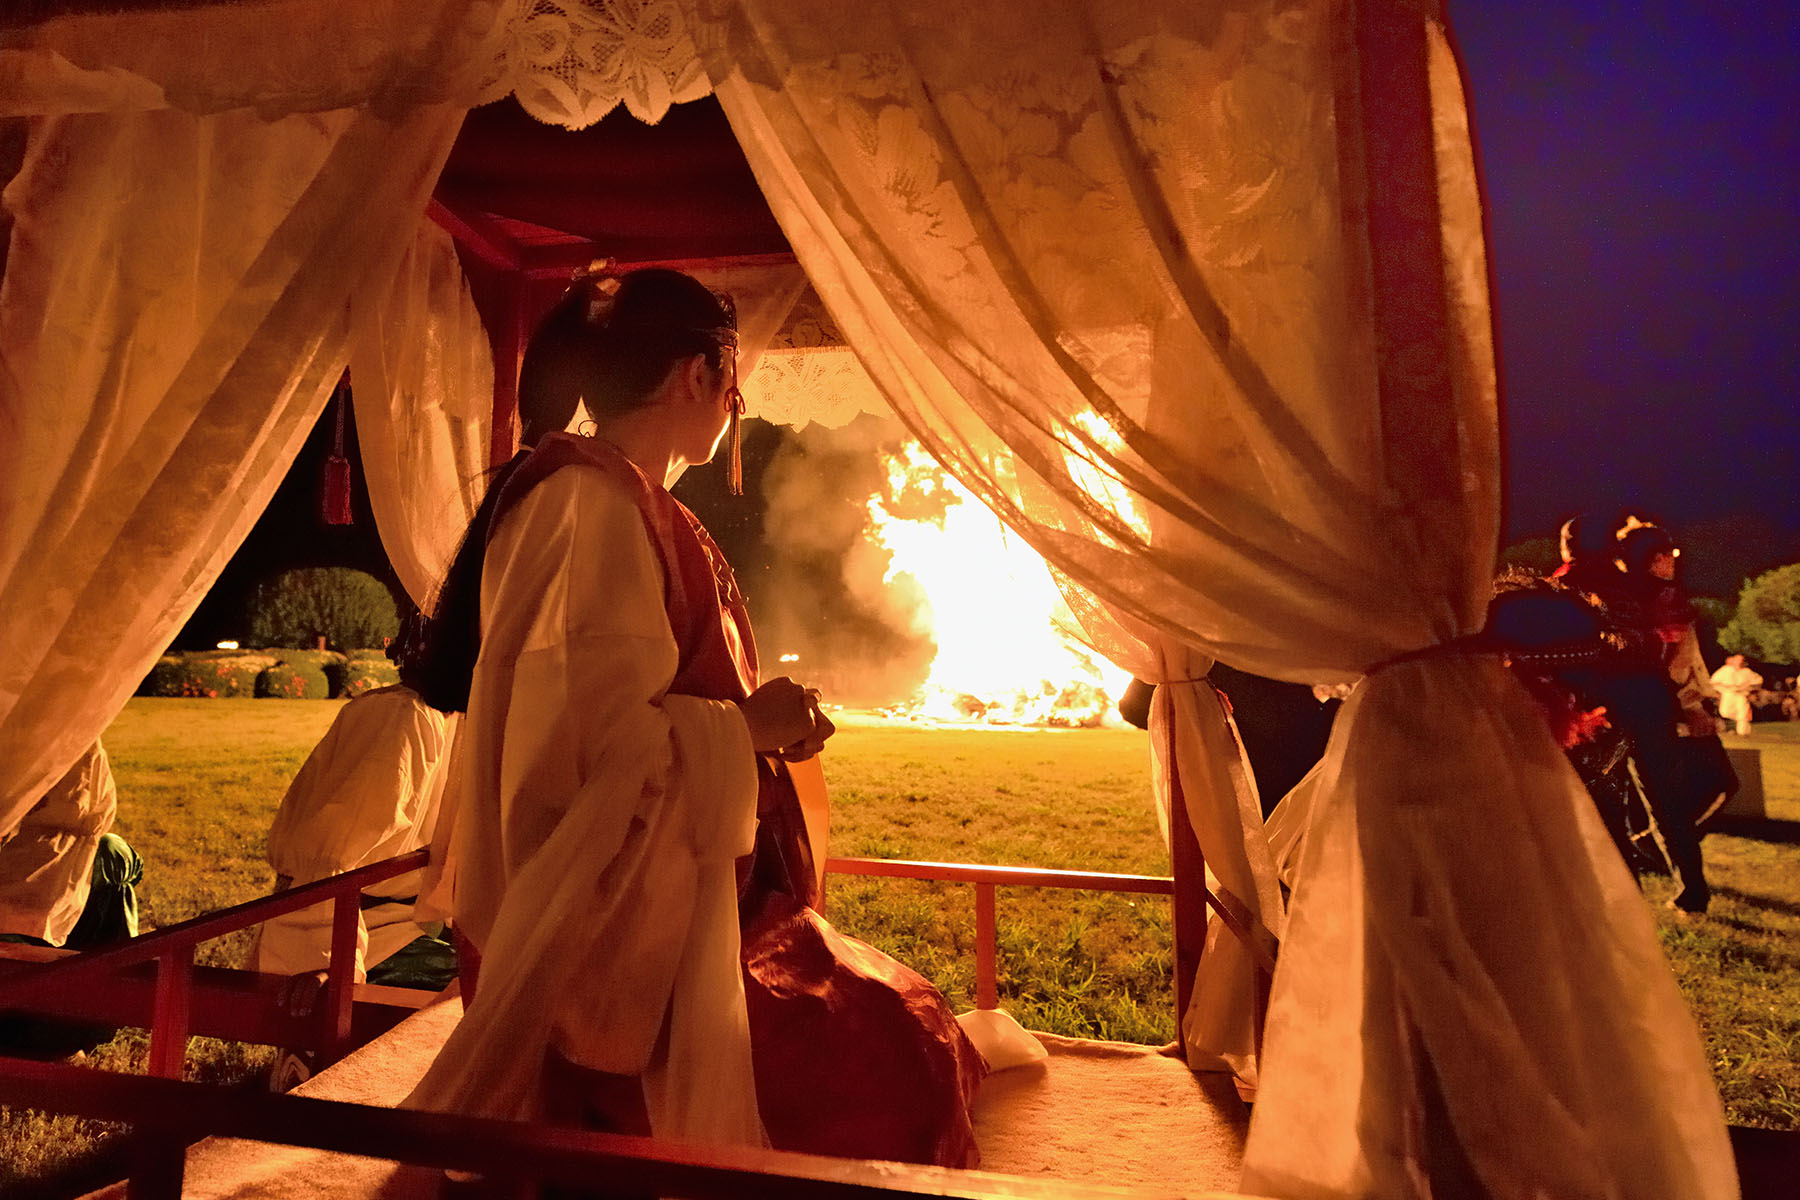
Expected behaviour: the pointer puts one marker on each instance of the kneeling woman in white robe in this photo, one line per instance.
(615, 758)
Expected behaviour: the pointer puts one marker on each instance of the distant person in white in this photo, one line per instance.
(1735, 682)
(369, 790)
(65, 880)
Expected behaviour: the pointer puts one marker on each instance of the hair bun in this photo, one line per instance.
(602, 288)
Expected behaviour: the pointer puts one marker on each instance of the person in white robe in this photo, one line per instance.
(599, 813)
(65, 879)
(371, 789)
(1735, 682)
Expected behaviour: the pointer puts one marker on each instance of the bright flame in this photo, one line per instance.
(991, 608)
(1101, 484)
(228, 645)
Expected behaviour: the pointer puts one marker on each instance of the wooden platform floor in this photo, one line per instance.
(1093, 1112)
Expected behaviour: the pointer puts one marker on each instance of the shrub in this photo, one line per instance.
(360, 673)
(310, 660)
(210, 675)
(292, 681)
(1766, 625)
(345, 607)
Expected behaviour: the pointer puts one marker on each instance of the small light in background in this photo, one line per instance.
(790, 658)
(228, 645)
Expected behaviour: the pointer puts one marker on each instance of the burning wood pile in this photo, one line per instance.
(952, 579)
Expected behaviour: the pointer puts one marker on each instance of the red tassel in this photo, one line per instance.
(735, 472)
(334, 492)
(734, 404)
(334, 497)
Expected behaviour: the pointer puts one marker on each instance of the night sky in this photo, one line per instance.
(1642, 169)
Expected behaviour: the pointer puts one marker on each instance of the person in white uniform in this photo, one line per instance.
(370, 790)
(1735, 682)
(65, 879)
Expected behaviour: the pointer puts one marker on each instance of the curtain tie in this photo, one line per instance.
(1469, 643)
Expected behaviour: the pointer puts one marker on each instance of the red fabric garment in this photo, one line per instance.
(855, 1054)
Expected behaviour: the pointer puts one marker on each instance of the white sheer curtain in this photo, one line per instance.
(270, 57)
(1194, 296)
(764, 295)
(422, 377)
(172, 319)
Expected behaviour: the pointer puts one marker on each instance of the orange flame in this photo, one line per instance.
(1003, 658)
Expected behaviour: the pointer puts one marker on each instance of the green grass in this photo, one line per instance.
(199, 781)
(1739, 966)
(1079, 963)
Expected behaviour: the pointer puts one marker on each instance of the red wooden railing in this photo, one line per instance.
(167, 1115)
(178, 1113)
(985, 879)
(172, 950)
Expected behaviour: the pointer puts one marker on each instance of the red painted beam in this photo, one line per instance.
(486, 243)
(23, 989)
(235, 1006)
(170, 1111)
(1096, 881)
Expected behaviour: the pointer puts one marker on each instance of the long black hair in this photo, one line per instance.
(609, 342)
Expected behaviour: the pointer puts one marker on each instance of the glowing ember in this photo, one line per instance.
(992, 605)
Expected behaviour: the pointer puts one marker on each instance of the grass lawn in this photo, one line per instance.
(199, 781)
(1085, 964)
(1739, 966)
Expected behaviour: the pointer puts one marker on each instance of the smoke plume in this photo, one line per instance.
(857, 636)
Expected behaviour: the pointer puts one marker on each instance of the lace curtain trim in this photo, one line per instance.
(822, 384)
(570, 62)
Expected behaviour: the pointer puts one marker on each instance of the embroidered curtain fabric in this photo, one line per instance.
(272, 58)
(172, 320)
(422, 382)
(1194, 296)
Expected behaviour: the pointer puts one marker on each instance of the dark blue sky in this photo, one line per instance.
(1642, 169)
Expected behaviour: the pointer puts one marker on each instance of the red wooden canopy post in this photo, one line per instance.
(1388, 159)
(509, 349)
(1188, 866)
(171, 1011)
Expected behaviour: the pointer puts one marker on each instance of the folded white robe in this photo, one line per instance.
(371, 789)
(46, 864)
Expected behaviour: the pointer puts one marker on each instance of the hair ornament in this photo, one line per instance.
(602, 288)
